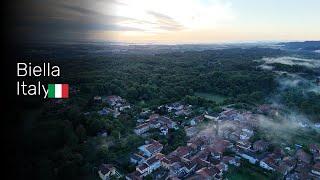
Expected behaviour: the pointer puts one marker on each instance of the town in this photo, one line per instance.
(227, 141)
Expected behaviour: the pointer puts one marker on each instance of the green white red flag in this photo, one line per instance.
(58, 90)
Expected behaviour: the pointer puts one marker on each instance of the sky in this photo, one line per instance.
(169, 21)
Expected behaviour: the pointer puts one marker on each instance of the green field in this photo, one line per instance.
(212, 97)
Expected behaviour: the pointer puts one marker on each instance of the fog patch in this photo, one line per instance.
(266, 67)
(287, 60)
(289, 81)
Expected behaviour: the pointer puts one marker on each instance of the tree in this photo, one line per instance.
(81, 132)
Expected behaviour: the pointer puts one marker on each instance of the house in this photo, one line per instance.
(191, 131)
(183, 112)
(140, 120)
(297, 176)
(189, 166)
(207, 173)
(222, 167)
(196, 120)
(243, 144)
(316, 169)
(314, 148)
(153, 163)
(164, 130)
(182, 168)
(182, 151)
(197, 144)
(231, 114)
(176, 169)
(231, 160)
(142, 128)
(217, 148)
(151, 149)
(286, 165)
(165, 163)
(316, 156)
(210, 117)
(104, 111)
(143, 169)
(136, 175)
(277, 154)
(251, 157)
(136, 159)
(303, 156)
(246, 134)
(234, 136)
(97, 99)
(116, 113)
(165, 121)
(114, 100)
(201, 162)
(124, 107)
(268, 163)
(148, 166)
(106, 170)
(154, 124)
(174, 106)
(260, 145)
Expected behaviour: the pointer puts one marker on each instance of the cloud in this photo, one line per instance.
(165, 22)
(79, 19)
(70, 20)
(158, 16)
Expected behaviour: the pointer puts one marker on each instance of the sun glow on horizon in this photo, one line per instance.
(199, 21)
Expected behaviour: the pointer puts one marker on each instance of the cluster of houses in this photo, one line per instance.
(209, 155)
(178, 109)
(116, 105)
(238, 128)
(202, 158)
(155, 121)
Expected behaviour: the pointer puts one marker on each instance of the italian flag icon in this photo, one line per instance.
(58, 90)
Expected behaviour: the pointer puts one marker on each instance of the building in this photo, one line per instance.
(106, 171)
(314, 148)
(196, 120)
(251, 157)
(286, 165)
(244, 145)
(231, 160)
(142, 128)
(114, 100)
(174, 107)
(207, 173)
(97, 99)
(136, 175)
(316, 169)
(148, 166)
(165, 121)
(260, 145)
(191, 131)
(136, 159)
(151, 149)
(303, 156)
(268, 163)
(210, 117)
